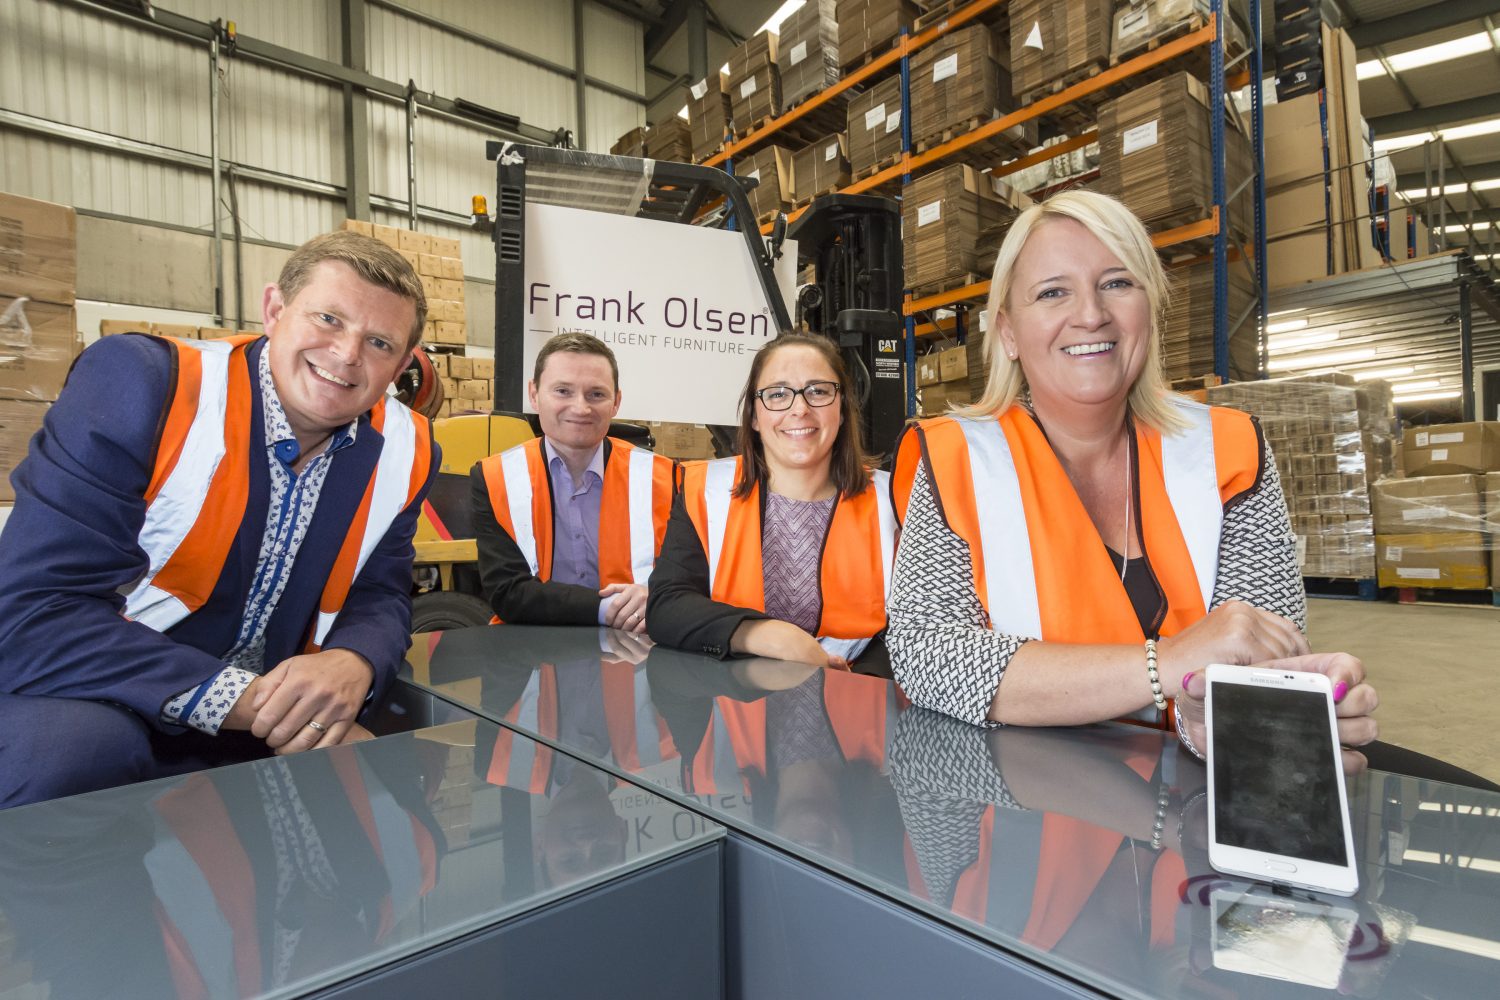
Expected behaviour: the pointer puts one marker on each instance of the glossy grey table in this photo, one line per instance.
(406, 866)
(882, 850)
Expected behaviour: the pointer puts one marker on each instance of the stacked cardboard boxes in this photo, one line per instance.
(1188, 323)
(959, 82)
(808, 51)
(632, 143)
(868, 27)
(1053, 40)
(820, 167)
(670, 140)
(38, 328)
(1155, 154)
(1331, 440)
(709, 119)
(468, 383)
(943, 380)
(1136, 24)
(942, 216)
(683, 442)
(771, 169)
(438, 263)
(754, 82)
(875, 126)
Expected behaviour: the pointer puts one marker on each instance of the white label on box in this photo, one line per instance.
(931, 212)
(799, 53)
(1421, 439)
(1418, 573)
(1034, 38)
(1423, 514)
(1301, 550)
(1140, 137)
(874, 117)
(748, 87)
(1447, 438)
(893, 121)
(1131, 22)
(1439, 455)
(753, 175)
(831, 151)
(700, 90)
(1393, 553)
(945, 67)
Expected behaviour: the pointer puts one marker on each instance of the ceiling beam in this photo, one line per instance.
(1475, 171)
(673, 18)
(630, 10)
(1443, 14)
(1404, 122)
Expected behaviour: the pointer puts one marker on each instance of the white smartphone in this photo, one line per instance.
(1277, 809)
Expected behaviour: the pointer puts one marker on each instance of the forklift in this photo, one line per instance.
(852, 242)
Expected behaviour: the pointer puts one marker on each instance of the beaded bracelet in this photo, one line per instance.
(1154, 677)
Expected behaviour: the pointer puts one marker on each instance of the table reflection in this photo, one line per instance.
(1084, 848)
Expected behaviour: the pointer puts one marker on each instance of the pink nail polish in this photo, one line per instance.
(1186, 678)
(1339, 690)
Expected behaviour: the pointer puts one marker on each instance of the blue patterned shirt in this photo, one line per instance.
(294, 498)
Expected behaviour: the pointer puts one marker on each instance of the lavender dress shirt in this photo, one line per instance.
(575, 525)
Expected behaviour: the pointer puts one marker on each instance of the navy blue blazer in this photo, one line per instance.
(68, 554)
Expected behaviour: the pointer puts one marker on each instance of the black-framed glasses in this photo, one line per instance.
(781, 397)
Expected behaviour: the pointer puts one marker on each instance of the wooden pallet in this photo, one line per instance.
(802, 203)
(868, 57)
(871, 171)
(1451, 598)
(947, 284)
(1171, 33)
(997, 17)
(1196, 382)
(986, 153)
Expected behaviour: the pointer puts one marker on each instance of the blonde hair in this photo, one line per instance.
(1115, 226)
(371, 259)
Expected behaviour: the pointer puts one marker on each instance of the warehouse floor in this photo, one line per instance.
(1437, 669)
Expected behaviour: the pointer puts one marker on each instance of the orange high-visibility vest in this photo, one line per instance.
(634, 506)
(200, 486)
(1040, 568)
(857, 557)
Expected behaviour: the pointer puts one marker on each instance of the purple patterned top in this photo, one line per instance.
(791, 541)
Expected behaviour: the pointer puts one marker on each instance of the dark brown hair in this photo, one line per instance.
(847, 463)
(575, 343)
(371, 259)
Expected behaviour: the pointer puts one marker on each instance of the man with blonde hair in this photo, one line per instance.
(209, 559)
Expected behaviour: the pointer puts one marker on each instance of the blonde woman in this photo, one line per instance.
(1081, 542)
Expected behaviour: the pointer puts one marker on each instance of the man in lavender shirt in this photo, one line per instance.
(576, 394)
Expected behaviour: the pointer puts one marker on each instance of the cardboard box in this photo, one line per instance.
(448, 332)
(772, 167)
(868, 27)
(670, 140)
(19, 420)
(482, 367)
(475, 388)
(439, 363)
(952, 221)
(821, 167)
(38, 250)
(755, 54)
(37, 347)
(110, 327)
(1439, 560)
(418, 243)
(874, 126)
(1138, 22)
(683, 442)
(709, 116)
(1428, 504)
(446, 246)
(937, 399)
(453, 268)
(1051, 39)
(960, 78)
(360, 226)
(1451, 448)
(414, 259)
(953, 364)
(460, 367)
(755, 98)
(632, 143)
(389, 235)
(808, 51)
(430, 264)
(181, 331)
(929, 369)
(450, 289)
(216, 332)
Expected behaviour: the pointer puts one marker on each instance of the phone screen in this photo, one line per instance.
(1275, 773)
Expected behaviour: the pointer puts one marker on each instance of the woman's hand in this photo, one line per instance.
(782, 641)
(1355, 701)
(1234, 632)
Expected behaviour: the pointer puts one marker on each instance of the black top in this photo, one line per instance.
(1146, 598)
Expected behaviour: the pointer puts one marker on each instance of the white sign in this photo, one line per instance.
(831, 151)
(1449, 438)
(1419, 573)
(799, 53)
(1140, 137)
(748, 87)
(1034, 37)
(681, 306)
(700, 89)
(893, 121)
(930, 212)
(945, 67)
(874, 117)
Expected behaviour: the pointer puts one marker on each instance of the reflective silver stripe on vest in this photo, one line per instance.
(1191, 468)
(1010, 578)
(398, 453)
(716, 489)
(180, 500)
(642, 528)
(849, 649)
(517, 476)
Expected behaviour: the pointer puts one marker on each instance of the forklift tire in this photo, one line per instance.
(441, 609)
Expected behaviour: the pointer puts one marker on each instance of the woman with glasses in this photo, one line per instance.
(786, 550)
(1080, 543)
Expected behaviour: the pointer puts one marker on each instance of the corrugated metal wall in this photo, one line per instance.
(66, 64)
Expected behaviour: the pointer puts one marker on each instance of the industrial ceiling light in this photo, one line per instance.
(1299, 341)
(1428, 55)
(1405, 387)
(1417, 194)
(1386, 373)
(1392, 143)
(1469, 130)
(1321, 360)
(1419, 397)
(1464, 226)
(786, 10)
(1287, 325)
